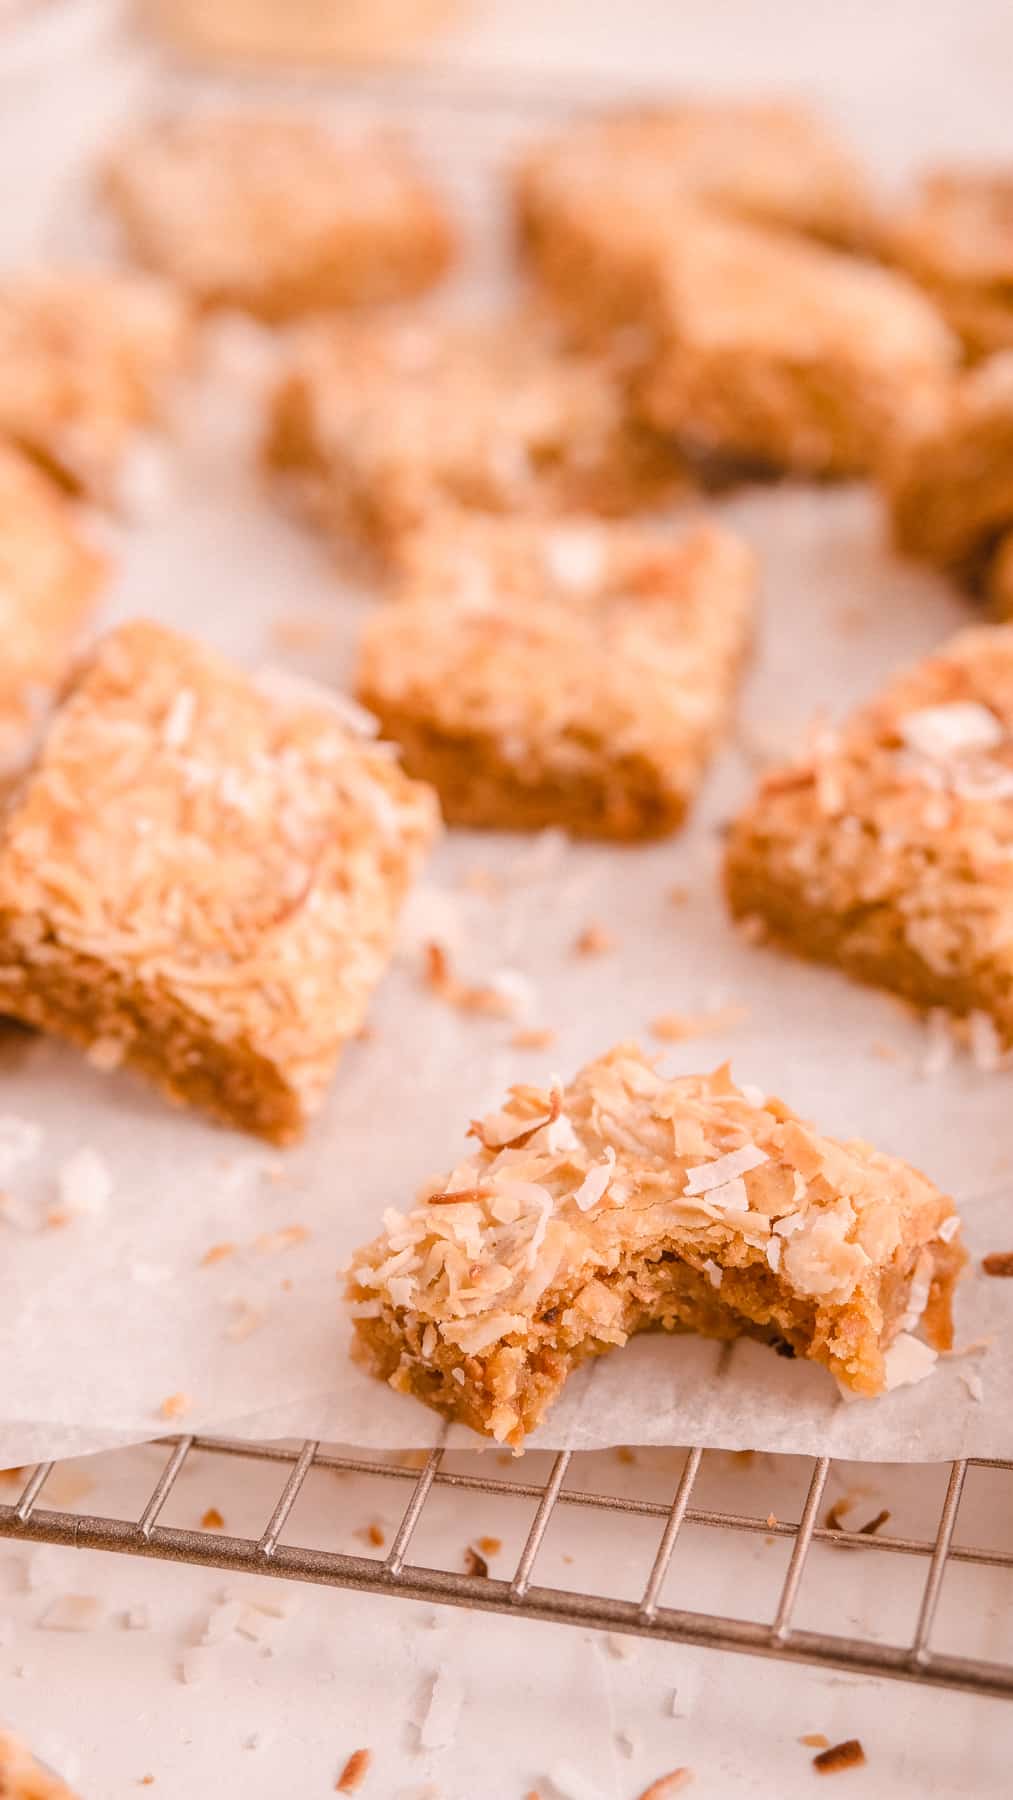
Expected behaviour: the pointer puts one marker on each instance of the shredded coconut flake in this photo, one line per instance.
(940, 732)
(907, 1361)
(595, 1183)
(439, 1725)
(772, 1252)
(713, 1271)
(724, 1169)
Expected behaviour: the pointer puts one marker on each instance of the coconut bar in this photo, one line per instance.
(86, 360)
(776, 352)
(629, 1201)
(23, 1778)
(200, 877)
(948, 476)
(887, 849)
(377, 424)
(576, 675)
(277, 216)
(50, 576)
(582, 193)
(956, 239)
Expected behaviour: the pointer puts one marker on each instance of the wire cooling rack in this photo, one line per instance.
(273, 1552)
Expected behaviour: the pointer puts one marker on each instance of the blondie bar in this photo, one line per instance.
(783, 353)
(629, 1201)
(379, 423)
(888, 850)
(50, 575)
(86, 358)
(200, 877)
(956, 239)
(277, 216)
(576, 675)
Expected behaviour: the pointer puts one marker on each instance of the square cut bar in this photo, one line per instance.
(888, 850)
(771, 350)
(50, 575)
(378, 424)
(277, 216)
(23, 1778)
(200, 877)
(956, 239)
(948, 476)
(628, 1202)
(774, 164)
(86, 360)
(576, 675)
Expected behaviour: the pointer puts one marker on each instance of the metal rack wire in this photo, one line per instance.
(29, 1520)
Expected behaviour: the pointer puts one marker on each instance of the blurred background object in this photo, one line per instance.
(303, 31)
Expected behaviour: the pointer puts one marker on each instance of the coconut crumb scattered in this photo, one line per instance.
(569, 1784)
(674, 1027)
(212, 1520)
(815, 1740)
(772, 1520)
(626, 1742)
(490, 1546)
(375, 1535)
(666, 1785)
(474, 1562)
(848, 1755)
(622, 1648)
(175, 1405)
(594, 940)
(217, 1253)
(439, 1724)
(533, 1037)
(272, 1242)
(908, 1361)
(354, 1772)
(974, 1385)
(496, 1000)
(998, 1262)
(73, 1612)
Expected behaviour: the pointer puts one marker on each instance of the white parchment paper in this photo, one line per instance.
(104, 1318)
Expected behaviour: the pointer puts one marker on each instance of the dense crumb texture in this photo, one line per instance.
(948, 477)
(86, 360)
(50, 574)
(888, 849)
(630, 1201)
(279, 216)
(774, 164)
(22, 1778)
(378, 424)
(784, 353)
(576, 675)
(200, 877)
(956, 239)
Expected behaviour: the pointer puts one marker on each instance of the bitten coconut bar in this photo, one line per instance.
(580, 676)
(378, 424)
(629, 1201)
(200, 877)
(278, 216)
(888, 850)
(956, 239)
(86, 360)
(50, 576)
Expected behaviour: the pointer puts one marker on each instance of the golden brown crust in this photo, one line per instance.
(948, 475)
(86, 357)
(277, 215)
(50, 574)
(628, 1202)
(200, 876)
(571, 675)
(888, 849)
(380, 424)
